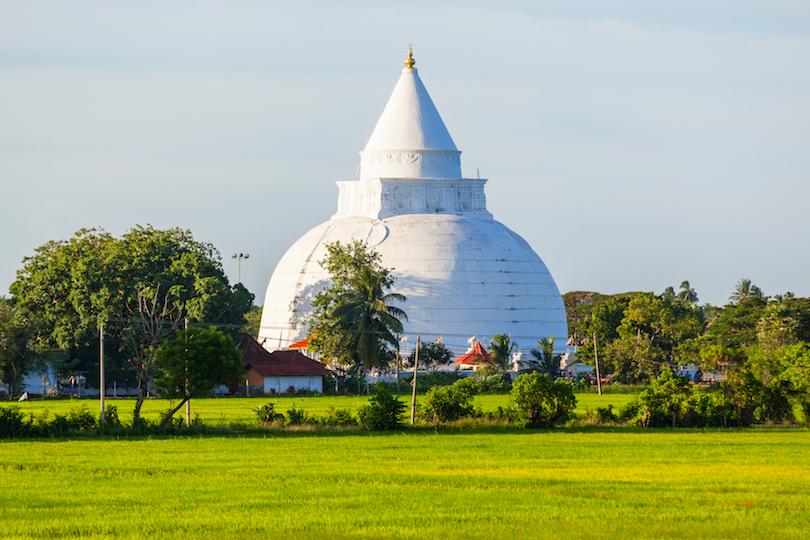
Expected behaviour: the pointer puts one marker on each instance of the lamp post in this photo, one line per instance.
(239, 256)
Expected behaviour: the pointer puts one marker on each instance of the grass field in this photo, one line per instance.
(588, 483)
(225, 410)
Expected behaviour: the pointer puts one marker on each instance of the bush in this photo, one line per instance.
(111, 416)
(449, 403)
(13, 423)
(382, 412)
(495, 384)
(541, 402)
(296, 416)
(339, 417)
(671, 401)
(80, 419)
(266, 413)
(606, 415)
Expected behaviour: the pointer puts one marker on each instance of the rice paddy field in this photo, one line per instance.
(622, 483)
(219, 411)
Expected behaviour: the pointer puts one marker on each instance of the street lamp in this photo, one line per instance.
(239, 257)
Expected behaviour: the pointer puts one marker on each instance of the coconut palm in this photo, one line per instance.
(545, 359)
(500, 351)
(744, 290)
(687, 295)
(367, 311)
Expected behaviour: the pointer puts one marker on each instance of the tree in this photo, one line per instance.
(687, 295)
(501, 348)
(16, 355)
(545, 360)
(143, 285)
(253, 319)
(542, 402)
(744, 290)
(382, 412)
(354, 319)
(430, 355)
(193, 363)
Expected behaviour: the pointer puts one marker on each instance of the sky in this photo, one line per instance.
(634, 144)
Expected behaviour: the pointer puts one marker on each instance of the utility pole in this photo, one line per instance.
(596, 361)
(188, 399)
(398, 364)
(413, 392)
(101, 382)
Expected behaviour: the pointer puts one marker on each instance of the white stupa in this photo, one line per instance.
(464, 273)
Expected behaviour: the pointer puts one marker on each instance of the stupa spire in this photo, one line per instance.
(410, 139)
(409, 61)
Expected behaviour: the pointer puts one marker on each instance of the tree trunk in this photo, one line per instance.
(168, 417)
(136, 413)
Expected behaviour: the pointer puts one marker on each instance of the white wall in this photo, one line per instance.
(281, 384)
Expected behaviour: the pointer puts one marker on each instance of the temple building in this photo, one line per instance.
(464, 273)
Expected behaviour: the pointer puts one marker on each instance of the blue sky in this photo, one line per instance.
(634, 144)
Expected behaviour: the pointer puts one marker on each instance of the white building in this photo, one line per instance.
(463, 272)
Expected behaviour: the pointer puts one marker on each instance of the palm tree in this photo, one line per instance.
(500, 351)
(688, 296)
(744, 290)
(367, 312)
(545, 359)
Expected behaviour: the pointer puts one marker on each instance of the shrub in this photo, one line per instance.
(111, 416)
(382, 412)
(267, 414)
(448, 403)
(13, 423)
(606, 415)
(541, 402)
(296, 416)
(339, 417)
(81, 419)
(496, 383)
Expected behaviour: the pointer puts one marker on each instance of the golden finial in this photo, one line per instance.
(409, 61)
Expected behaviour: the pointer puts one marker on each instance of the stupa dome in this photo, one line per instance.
(463, 273)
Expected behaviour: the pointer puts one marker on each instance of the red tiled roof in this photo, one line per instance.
(302, 344)
(277, 363)
(476, 355)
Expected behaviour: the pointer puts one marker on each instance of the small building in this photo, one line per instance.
(573, 368)
(474, 358)
(278, 372)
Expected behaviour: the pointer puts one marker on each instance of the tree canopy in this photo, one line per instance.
(356, 318)
(142, 285)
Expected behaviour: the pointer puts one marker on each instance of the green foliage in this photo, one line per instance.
(266, 413)
(383, 412)
(111, 419)
(492, 384)
(142, 284)
(545, 361)
(16, 355)
(253, 319)
(339, 418)
(541, 402)
(606, 415)
(449, 403)
(501, 348)
(296, 416)
(354, 320)
(195, 361)
(431, 354)
(81, 419)
(13, 423)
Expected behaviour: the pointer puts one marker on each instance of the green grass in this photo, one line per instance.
(573, 483)
(220, 411)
